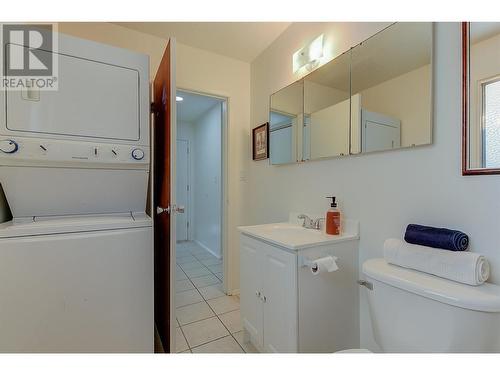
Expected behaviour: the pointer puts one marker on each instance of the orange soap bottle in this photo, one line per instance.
(333, 219)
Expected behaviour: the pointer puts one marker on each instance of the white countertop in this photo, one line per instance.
(295, 237)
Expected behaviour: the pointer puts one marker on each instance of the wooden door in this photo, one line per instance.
(163, 194)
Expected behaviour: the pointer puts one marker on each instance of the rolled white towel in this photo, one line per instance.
(462, 266)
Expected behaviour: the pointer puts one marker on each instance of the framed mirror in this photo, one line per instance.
(480, 98)
(285, 123)
(391, 89)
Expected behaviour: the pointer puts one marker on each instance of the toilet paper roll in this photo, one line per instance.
(322, 265)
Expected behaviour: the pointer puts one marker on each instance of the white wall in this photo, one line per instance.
(387, 190)
(207, 180)
(206, 72)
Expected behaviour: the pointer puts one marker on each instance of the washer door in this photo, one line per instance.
(80, 292)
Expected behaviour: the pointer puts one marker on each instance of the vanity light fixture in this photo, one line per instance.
(308, 56)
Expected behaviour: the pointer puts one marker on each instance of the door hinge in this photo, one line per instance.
(187, 224)
(188, 188)
(153, 108)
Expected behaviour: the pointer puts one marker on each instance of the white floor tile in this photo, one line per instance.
(211, 261)
(232, 321)
(180, 275)
(220, 276)
(203, 281)
(224, 345)
(183, 285)
(217, 268)
(224, 304)
(180, 342)
(205, 256)
(192, 313)
(188, 297)
(191, 265)
(212, 291)
(185, 259)
(201, 332)
(197, 272)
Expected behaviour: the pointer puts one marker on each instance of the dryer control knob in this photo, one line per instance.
(137, 154)
(8, 146)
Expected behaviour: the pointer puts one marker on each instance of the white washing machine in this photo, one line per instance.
(76, 260)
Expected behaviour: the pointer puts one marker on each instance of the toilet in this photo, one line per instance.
(414, 312)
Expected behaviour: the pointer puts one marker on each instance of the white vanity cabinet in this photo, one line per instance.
(284, 307)
(268, 294)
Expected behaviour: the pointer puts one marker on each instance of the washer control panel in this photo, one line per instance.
(138, 154)
(8, 146)
(52, 150)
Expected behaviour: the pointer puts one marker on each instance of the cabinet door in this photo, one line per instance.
(251, 258)
(280, 300)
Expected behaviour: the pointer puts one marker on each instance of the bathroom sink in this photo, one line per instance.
(294, 237)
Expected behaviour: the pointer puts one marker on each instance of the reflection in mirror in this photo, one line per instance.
(327, 112)
(391, 89)
(484, 95)
(285, 115)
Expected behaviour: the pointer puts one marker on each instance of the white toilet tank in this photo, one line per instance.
(413, 311)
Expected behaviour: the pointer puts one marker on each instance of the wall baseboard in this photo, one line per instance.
(208, 249)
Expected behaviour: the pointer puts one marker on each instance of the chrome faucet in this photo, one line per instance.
(310, 223)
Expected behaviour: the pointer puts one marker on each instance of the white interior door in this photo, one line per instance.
(182, 187)
(380, 132)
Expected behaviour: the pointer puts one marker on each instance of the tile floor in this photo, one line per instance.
(208, 320)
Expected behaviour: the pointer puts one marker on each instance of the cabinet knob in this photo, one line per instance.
(263, 298)
(257, 293)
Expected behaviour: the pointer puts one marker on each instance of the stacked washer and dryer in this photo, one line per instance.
(76, 260)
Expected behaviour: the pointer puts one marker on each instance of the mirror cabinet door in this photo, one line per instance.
(391, 83)
(327, 110)
(286, 117)
(375, 97)
(481, 98)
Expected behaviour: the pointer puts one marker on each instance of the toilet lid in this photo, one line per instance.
(485, 297)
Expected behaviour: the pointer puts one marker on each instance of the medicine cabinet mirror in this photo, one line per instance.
(481, 98)
(327, 110)
(285, 122)
(375, 97)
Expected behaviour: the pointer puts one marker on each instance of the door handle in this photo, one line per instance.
(161, 210)
(366, 284)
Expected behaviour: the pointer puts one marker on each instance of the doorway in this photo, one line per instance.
(202, 307)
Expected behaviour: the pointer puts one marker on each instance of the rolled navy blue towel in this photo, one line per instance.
(440, 238)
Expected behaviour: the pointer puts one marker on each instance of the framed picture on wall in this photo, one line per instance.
(260, 138)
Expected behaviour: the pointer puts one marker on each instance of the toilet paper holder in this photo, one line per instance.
(306, 262)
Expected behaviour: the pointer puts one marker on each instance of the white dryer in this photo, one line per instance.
(76, 261)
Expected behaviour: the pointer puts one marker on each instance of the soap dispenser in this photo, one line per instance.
(333, 219)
